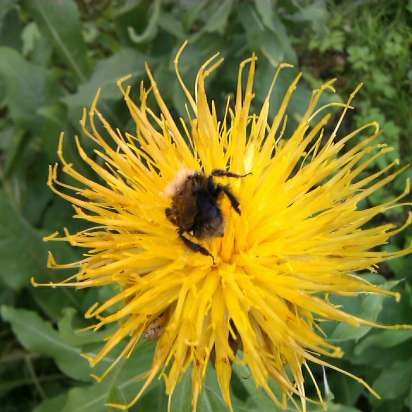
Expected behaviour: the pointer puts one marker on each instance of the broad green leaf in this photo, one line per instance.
(394, 381)
(182, 396)
(368, 307)
(90, 398)
(335, 407)
(343, 389)
(10, 25)
(266, 10)
(14, 142)
(172, 25)
(51, 404)
(36, 47)
(149, 32)
(6, 6)
(211, 399)
(372, 306)
(37, 335)
(261, 38)
(53, 301)
(383, 339)
(375, 358)
(120, 386)
(22, 252)
(60, 22)
(75, 336)
(30, 36)
(30, 171)
(107, 72)
(28, 87)
(54, 120)
(271, 20)
(315, 13)
(258, 399)
(401, 267)
(193, 12)
(219, 17)
(154, 399)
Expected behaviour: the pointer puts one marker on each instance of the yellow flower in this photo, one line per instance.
(258, 298)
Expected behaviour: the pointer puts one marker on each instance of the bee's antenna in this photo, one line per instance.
(224, 173)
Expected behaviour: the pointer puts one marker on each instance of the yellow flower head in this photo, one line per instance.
(223, 239)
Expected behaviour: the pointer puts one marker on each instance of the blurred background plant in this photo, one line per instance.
(54, 54)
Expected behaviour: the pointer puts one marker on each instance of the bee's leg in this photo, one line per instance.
(221, 172)
(232, 198)
(195, 247)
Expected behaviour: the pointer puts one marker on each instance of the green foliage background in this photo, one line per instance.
(54, 54)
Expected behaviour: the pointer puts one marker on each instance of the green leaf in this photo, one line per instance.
(51, 404)
(266, 11)
(30, 36)
(172, 25)
(119, 387)
(154, 399)
(217, 21)
(344, 389)
(261, 38)
(107, 72)
(258, 400)
(394, 381)
(38, 336)
(211, 399)
(182, 396)
(150, 30)
(335, 407)
(271, 20)
(60, 22)
(10, 25)
(6, 6)
(54, 118)
(383, 339)
(28, 87)
(367, 307)
(73, 336)
(91, 398)
(36, 47)
(315, 13)
(14, 144)
(22, 253)
(372, 306)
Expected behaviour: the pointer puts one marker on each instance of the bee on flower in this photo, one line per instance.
(224, 237)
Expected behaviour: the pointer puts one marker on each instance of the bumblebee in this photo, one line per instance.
(195, 206)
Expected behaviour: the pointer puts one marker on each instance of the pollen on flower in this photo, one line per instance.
(293, 233)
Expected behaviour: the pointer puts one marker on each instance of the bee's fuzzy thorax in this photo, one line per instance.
(176, 184)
